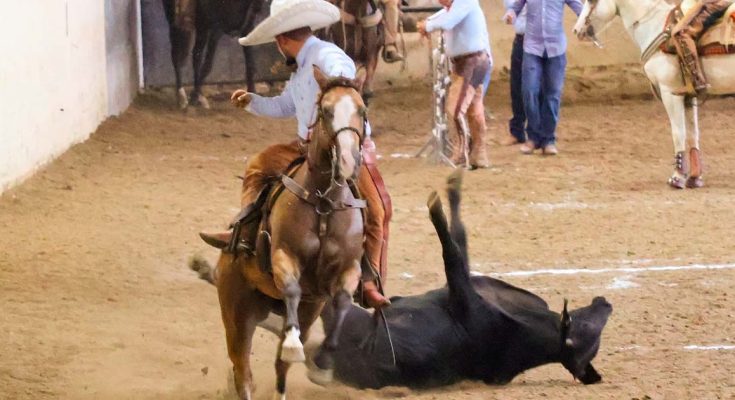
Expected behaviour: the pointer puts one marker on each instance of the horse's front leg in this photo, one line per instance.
(323, 369)
(308, 313)
(696, 167)
(677, 117)
(286, 273)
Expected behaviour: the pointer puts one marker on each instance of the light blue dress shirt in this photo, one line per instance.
(545, 25)
(464, 26)
(300, 95)
(520, 23)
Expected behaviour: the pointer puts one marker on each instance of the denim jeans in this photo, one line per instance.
(543, 80)
(517, 124)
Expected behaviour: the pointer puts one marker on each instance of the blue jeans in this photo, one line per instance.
(517, 124)
(543, 80)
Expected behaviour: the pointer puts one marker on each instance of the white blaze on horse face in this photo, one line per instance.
(349, 148)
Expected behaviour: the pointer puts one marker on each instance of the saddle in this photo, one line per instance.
(718, 39)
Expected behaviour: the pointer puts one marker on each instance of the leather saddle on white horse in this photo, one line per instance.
(717, 39)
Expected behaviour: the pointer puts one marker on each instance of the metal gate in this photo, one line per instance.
(228, 66)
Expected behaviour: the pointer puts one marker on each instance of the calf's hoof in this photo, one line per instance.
(695, 182)
(319, 376)
(292, 351)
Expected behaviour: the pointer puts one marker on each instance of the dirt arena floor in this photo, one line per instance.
(98, 303)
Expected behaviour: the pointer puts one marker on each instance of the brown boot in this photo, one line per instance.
(372, 296)
(478, 153)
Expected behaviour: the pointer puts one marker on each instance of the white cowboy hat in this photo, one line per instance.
(287, 15)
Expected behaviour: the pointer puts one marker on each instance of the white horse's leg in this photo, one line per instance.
(695, 179)
(677, 117)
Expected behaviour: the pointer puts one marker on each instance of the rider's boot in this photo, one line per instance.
(478, 145)
(687, 49)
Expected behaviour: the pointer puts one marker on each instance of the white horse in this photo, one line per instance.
(644, 20)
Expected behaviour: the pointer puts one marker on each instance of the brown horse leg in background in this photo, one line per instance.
(202, 56)
(181, 41)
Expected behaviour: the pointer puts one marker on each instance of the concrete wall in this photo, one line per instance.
(57, 80)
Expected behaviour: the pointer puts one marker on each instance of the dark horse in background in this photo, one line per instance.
(204, 22)
(359, 34)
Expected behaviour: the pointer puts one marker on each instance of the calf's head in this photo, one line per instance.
(580, 338)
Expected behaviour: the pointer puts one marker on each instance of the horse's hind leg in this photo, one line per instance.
(242, 309)
(696, 169)
(180, 45)
(341, 302)
(249, 54)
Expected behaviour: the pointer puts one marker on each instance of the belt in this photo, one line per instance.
(463, 57)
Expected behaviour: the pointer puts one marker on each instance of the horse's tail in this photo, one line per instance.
(205, 271)
(461, 292)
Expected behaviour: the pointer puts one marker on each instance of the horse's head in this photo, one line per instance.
(594, 15)
(340, 126)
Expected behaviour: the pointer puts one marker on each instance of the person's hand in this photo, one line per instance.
(240, 98)
(509, 17)
(421, 27)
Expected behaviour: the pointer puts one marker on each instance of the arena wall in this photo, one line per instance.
(68, 65)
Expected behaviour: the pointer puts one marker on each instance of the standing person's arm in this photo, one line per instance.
(514, 8)
(575, 5)
(449, 19)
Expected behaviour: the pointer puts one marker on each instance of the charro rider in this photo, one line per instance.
(290, 25)
(698, 16)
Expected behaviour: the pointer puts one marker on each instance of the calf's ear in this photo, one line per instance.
(566, 323)
(219, 240)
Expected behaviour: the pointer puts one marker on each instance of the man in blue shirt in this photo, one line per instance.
(544, 67)
(468, 45)
(517, 124)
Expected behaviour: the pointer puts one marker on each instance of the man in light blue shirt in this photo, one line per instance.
(544, 67)
(517, 124)
(290, 24)
(468, 45)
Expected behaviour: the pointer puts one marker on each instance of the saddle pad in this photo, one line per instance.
(722, 32)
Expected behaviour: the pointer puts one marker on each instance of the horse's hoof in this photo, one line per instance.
(695, 182)
(279, 396)
(321, 377)
(292, 351)
(182, 99)
(203, 102)
(676, 182)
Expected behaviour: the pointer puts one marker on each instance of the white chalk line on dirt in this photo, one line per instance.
(691, 347)
(592, 271)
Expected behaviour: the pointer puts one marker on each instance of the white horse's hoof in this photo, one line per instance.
(182, 99)
(695, 182)
(677, 183)
(292, 351)
(321, 377)
(279, 396)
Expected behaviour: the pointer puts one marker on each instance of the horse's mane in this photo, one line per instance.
(339, 81)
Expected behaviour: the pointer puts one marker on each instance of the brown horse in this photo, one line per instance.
(314, 242)
(360, 35)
